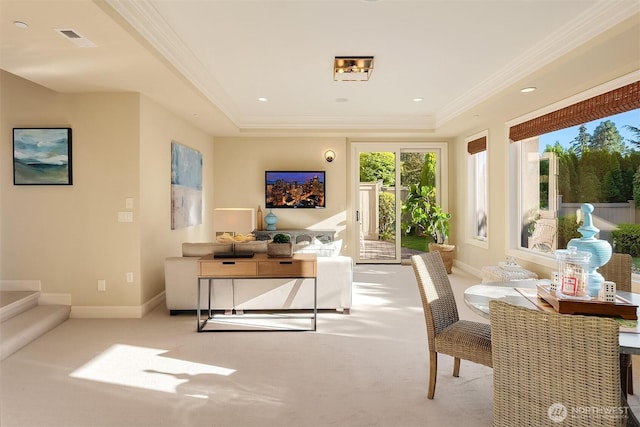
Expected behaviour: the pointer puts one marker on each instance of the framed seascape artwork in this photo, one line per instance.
(186, 186)
(42, 156)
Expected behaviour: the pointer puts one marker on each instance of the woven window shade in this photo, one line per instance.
(477, 145)
(617, 101)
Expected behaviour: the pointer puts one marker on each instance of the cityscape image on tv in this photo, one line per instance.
(294, 189)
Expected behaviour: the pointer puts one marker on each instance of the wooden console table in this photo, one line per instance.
(300, 266)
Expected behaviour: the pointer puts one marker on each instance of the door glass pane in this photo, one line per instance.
(418, 169)
(377, 209)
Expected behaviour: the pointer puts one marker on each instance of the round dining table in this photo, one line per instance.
(477, 298)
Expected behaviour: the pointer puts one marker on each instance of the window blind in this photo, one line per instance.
(617, 101)
(477, 145)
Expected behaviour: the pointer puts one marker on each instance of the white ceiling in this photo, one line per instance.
(210, 61)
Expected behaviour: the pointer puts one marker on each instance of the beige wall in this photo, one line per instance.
(239, 169)
(158, 128)
(69, 236)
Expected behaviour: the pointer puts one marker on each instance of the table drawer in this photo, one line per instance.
(286, 268)
(221, 268)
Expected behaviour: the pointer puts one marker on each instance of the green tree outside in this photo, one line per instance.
(378, 166)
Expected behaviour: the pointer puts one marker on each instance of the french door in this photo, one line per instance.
(381, 175)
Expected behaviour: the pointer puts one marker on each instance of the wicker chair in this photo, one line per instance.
(550, 367)
(446, 333)
(618, 270)
(543, 237)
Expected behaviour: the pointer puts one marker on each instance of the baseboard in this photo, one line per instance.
(467, 268)
(54, 299)
(116, 312)
(154, 302)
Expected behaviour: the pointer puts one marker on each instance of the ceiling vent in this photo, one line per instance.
(352, 68)
(74, 37)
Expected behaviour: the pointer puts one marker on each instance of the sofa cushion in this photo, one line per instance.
(330, 249)
(202, 249)
(256, 246)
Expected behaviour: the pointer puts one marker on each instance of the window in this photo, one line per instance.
(588, 152)
(478, 185)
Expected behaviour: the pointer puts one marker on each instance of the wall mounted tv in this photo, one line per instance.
(294, 189)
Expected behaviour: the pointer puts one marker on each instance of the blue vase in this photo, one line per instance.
(600, 250)
(270, 219)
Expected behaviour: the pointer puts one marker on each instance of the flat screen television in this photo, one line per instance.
(294, 189)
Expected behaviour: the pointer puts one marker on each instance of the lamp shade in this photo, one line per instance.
(234, 220)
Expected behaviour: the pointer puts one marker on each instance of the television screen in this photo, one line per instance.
(294, 189)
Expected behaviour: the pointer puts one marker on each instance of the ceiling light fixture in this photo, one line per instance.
(418, 99)
(528, 89)
(352, 68)
(20, 24)
(262, 99)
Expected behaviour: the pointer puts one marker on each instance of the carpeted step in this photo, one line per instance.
(23, 328)
(13, 303)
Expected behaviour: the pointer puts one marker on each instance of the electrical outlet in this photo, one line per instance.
(102, 285)
(130, 277)
(125, 216)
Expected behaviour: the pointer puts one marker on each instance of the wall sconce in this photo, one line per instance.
(329, 156)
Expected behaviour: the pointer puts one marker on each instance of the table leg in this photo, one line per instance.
(315, 302)
(210, 298)
(198, 328)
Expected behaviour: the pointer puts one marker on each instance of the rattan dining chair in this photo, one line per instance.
(446, 333)
(618, 270)
(550, 367)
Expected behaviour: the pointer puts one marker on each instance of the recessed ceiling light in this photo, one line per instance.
(528, 89)
(418, 99)
(20, 24)
(342, 99)
(262, 99)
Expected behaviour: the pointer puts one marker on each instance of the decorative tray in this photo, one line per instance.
(568, 305)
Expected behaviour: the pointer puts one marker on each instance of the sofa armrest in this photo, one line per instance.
(337, 271)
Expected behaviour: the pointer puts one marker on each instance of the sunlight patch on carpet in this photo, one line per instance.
(144, 368)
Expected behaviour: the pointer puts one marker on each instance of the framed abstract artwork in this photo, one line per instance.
(42, 156)
(186, 186)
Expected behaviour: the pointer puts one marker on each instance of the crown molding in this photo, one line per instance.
(592, 22)
(145, 18)
(150, 24)
(423, 123)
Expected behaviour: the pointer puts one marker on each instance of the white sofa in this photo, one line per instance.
(335, 277)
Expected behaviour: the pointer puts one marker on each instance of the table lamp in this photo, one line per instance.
(234, 221)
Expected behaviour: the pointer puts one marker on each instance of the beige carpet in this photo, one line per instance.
(366, 369)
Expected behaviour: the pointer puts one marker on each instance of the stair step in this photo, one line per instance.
(13, 303)
(25, 327)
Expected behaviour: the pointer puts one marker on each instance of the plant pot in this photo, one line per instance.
(446, 253)
(279, 250)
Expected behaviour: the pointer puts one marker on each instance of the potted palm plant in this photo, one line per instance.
(427, 218)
